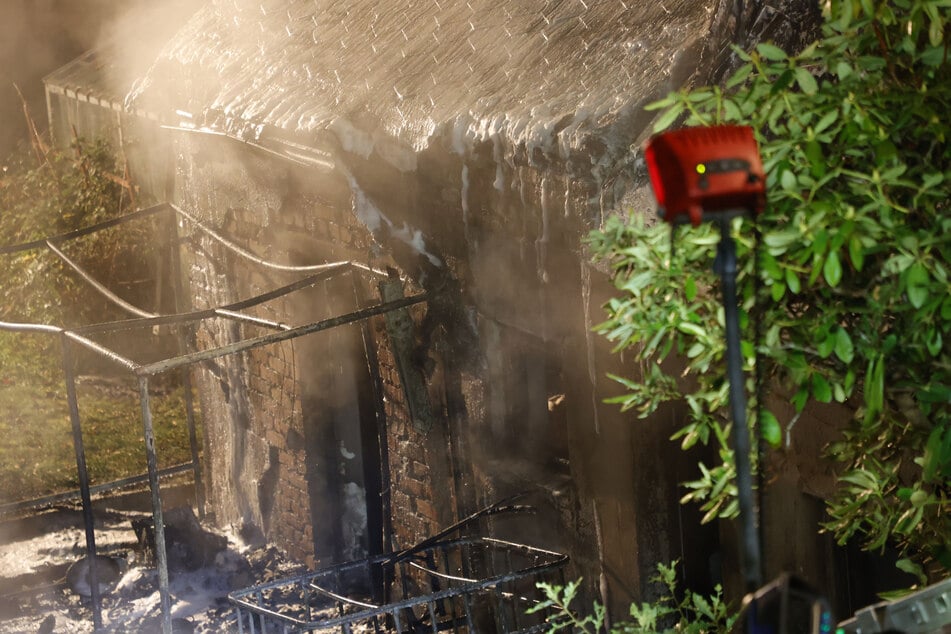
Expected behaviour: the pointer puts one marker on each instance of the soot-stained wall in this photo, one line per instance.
(313, 443)
(283, 422)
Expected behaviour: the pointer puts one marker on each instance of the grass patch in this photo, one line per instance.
(45, 191)
(37, 456)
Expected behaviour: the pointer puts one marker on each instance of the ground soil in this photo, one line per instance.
(37, 551)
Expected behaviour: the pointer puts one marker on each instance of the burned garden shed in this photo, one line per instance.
(457, 149)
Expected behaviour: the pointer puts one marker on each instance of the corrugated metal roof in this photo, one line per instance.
(125, 51)
(522, 69)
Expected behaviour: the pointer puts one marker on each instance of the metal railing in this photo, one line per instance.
(467, 585)
(71, 337)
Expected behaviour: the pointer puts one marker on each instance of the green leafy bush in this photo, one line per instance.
(49, 192)
(52, 192)
(691, 613)
(43, 194)
(849, 277)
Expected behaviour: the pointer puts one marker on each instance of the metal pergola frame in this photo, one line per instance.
(80, 336)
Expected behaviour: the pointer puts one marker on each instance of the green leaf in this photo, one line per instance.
(691, 329)
(843, 346)
(827, 119)
(936, 454)
(771, 52)
(666, 102)
(871, 63)
(699, 95)
(874, 388)
(817, 162)
(845, 15)
(777, 291)
(740, 75)
(917, 285)
(788, 181)
(832, 269)
(690, 289)
(807, 83)
(784, 238)
(800, 398)
(936, 32)
(856, 252)
(918, 498)
(821, 389)
(779, 84)
(792, 281)
(826, 345)
(665, 120)
(907, 565)
(934, 342)
(933, 56)
(838, 393)
(770, 429)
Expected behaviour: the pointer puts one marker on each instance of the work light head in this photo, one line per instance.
(703, 172)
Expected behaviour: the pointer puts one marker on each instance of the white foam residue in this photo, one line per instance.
(364, 209)
(589, 343)
(140, 608)
(396, 154)
(567, 197)
(353, 521)
(522, 188)
(541, 244)
(464, 196)
(499, 182)
(540, 134)
(570, 136)
(351, 139)
(414, 238)
(427, 128)
(459, 134)
(370, 215)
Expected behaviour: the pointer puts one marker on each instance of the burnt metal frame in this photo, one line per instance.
(71, 336)
(256, 616)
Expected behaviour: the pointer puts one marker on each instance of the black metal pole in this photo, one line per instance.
(725, 265)
(88, 519)
(161, 557)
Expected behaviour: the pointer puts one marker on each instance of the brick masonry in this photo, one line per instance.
(271, 464)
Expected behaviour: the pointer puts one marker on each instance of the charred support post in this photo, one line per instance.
(193, 440)
(185, 339)
(381, 477)
(401, 332)
(88, 520)
(161, 558)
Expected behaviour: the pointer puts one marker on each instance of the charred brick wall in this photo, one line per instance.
(283, 422)
(421, 476)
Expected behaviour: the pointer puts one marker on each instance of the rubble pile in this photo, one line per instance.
(43, 573)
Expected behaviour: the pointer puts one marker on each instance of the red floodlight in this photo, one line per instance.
(697, 171)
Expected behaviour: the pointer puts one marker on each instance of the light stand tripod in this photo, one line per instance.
(715, 174)
(725, 265)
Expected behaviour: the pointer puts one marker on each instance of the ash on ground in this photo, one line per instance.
(43, 583)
